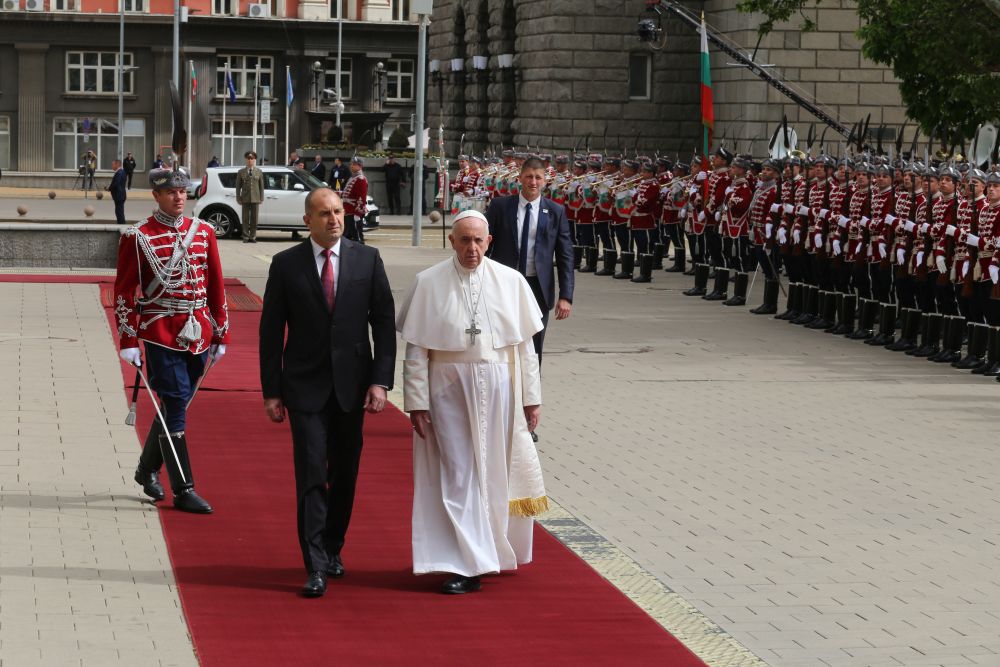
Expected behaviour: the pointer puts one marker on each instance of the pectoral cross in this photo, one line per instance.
(473, 331)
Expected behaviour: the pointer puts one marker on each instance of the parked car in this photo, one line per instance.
(285, 190)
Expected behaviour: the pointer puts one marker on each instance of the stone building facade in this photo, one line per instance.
(579, 71)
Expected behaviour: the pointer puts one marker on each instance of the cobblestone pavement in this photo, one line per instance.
(821, 501)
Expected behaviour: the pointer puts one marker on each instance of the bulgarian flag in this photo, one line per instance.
(707, 114)
(194, 80)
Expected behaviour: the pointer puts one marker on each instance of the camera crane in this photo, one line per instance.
(650, 30)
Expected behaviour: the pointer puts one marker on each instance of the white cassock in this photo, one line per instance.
(477, 479)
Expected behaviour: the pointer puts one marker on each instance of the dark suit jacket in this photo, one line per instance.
(319, 171)
(551, 241)
(117, 187)
(326, 353)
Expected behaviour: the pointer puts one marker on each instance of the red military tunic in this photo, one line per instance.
(989, 239)
(799, 217)
(859, 208)
(902, 213)
(760, 210)
(355, 195)
(735, 221)
(944, 213)
(168, 295)
(816, 202)
(963, 229)
(645, 202)
(718, 181)
(838, 200)
(881, 233)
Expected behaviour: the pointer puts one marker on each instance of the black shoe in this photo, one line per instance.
(336, 568)
(315, 585)
(458, 585)
(150, 482)
(189, 501)
(534, 437)
(253, 240)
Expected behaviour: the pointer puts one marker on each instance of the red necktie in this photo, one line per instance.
(329, 288)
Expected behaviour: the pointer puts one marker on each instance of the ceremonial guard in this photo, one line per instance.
(763, 209)
(674, 211)
(643, 219)
(989, 262)
(603, 213)
(880, 240)
(694, 228)
(924, 269)
(169, 294)
(620, 195)
(945, 215)
(718, 182)
(966, 270)
(587, 194)
(821, 287)
(736, 247)
(909, 199)
(789, 235)
(355, 198)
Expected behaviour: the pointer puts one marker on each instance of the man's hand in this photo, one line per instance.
(563, 309)
(533, 414)
(217, 351)
(375, 399)
(421, 420)
(275, 409)
(131, 355)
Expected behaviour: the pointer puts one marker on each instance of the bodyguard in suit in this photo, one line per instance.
(129, 165)
(117, 190)
(327, 292)
(531, 234)
(249, 195)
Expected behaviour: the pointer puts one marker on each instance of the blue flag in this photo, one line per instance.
(230, 87)
(288, 86)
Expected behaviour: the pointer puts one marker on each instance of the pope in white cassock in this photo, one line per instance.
(473, 391)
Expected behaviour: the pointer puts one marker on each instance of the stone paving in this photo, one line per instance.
(821, 501)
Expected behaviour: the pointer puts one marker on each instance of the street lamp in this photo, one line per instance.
(317, 69)
(380, 76)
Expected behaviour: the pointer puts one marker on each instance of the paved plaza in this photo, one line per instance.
(820, 501)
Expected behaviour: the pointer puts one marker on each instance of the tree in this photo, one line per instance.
(943, 52)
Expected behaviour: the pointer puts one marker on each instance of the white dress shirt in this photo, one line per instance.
(320, 258)
(529, 267)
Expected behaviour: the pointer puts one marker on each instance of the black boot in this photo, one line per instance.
(679, 262)
(908, 335)
(147, 473)
(991, 368)
(951, 350)
(628, 266)
(886, 326)
(700, 281)
(791, 303)
(810, 305)
(646, 265)
(695, 261)
(866, 320)
(739, 297)
(178, 465)
(577, 256)
(590, 260)
(720, 289)
(658, 251)
(610, 260)
(827, 311)
(836, 312)
(978, 338)
(930, 342)
(770, 305)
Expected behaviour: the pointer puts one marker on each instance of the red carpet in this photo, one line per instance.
(239, 569)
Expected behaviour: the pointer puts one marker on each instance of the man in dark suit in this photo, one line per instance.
(529, 232)
(117, 190)
(129, 165)
(326, 291)
(319, 169)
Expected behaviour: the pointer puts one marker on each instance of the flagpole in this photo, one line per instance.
(256, 87)
(288, 106)
(225, 98)
(190, 123)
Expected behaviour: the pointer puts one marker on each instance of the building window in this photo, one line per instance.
(72, 137)
(345, 9)
(64, 5)
(4, 142)
(96, 72)
(639, 79)
(346, 71)
(224, 7)
(136, 6)
(239, 140)
(243, 70)
(400, 10)
(400, 80)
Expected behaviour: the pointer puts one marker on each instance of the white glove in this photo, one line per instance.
(995, 273)
(818, 241)
(701, 217)
(782, 236)
(718, 216)
(920, 258)
(924, 227)
(889, 218)
(775, 207)
(962, 269)
(684, 213)
(823, 212)
(865, 220)
(950, 230)
(789, 208)
(836, 247)
(729, 190)
(973, 240)
(803, 210)
(768, 228)
(701, 176)
(882, 250)
(216, 352)
(796, 236)
(631, 193)
(131, 355)
(693, 190)
(842, 222)
(909, 226)
(900, 256)
(941, 266)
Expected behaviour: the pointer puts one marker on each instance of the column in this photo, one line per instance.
(33, 151)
